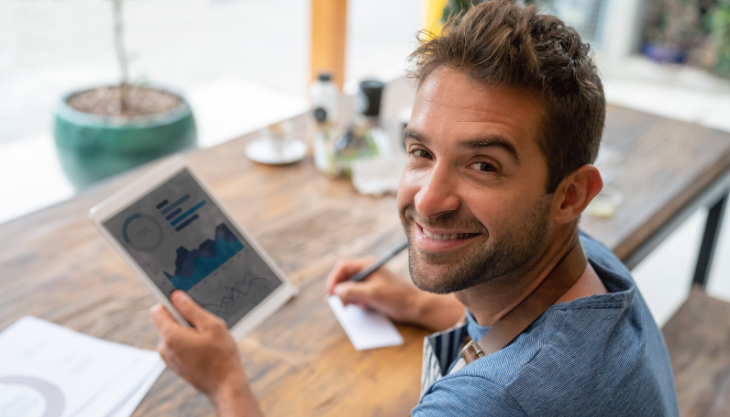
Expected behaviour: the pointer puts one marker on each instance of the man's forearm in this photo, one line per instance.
(235, 399)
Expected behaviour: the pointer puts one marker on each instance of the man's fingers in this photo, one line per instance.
(344, 270)
(162, 319)
(190, 310)
(353, 293)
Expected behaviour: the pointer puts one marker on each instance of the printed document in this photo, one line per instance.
(47, 370)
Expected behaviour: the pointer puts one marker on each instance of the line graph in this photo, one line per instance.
(220, 306)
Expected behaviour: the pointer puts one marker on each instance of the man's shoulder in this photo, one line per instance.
(575, 356)
(570, 335)
(565, 374)
(466, 394)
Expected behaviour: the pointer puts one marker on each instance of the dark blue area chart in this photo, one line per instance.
(182, 240)
(191, 267)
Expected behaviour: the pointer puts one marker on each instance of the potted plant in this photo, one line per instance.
(105, 130)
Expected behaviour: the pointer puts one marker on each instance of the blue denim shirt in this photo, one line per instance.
(596, 356)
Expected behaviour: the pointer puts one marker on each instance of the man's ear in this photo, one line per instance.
(575, 192)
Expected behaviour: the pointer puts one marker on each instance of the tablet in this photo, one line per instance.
(175, 235)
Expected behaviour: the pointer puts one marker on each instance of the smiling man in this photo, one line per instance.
(507, 121)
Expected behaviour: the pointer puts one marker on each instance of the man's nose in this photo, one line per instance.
(438, 193)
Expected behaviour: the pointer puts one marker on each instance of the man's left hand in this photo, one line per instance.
(206, 355)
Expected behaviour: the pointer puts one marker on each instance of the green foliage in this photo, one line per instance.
(673, 23)
(719, 23)
(454, 7)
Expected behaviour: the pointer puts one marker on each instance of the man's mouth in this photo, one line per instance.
(441, 239)
(446, 236)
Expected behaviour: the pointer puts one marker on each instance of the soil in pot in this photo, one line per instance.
(127, 101)
(96, 136)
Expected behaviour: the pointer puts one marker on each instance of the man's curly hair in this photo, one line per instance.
(506, 45)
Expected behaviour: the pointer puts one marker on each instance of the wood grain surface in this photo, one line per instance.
(54, 265)
(698, 337)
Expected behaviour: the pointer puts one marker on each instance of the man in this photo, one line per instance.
(507, 120)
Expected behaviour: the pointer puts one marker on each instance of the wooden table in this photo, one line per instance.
(54, 264)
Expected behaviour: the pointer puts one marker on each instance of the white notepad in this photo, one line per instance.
(366, 329)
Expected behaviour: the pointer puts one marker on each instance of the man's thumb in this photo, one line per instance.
(190, 310)
(351, 293)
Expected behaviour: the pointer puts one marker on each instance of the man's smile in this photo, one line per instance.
(437, 240)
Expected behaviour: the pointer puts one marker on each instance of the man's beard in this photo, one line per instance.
(516, 249)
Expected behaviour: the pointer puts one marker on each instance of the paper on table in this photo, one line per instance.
(126, 409)
(121, 398)
(366, 329)
(66, 373)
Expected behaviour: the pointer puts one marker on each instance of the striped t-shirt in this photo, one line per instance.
(596, 356)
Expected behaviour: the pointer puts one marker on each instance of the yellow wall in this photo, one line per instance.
(432, 15)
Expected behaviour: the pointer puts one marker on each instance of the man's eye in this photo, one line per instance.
(484, 166)
(420, 153)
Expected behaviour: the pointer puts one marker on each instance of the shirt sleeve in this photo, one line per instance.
(467, 396)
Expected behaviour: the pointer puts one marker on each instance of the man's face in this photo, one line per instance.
(472, 198)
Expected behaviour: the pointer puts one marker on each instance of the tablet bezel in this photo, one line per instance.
(148, 182)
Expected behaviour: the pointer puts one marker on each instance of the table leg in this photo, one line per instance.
(709, 241)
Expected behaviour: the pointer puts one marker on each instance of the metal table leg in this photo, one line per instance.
(709, 241)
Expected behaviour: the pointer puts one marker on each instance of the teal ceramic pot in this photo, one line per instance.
(92, 147)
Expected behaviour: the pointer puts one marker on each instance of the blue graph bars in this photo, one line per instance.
(187, 213)
(175, 204)
(173, 214)
(186, 222)
(172, 210)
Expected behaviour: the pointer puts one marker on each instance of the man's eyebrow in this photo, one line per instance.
(485, 142)
(492, 141)
(409, 133)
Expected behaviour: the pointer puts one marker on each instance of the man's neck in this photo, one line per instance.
(490, 301)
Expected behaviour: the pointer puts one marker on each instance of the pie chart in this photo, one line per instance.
(142, 232)
(23, 405)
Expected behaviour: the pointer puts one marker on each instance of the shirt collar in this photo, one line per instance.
(476, 332)
(621, 292)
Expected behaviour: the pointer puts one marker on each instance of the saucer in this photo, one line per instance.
(264, 150)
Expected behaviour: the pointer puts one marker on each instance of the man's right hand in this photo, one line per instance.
(398, 299)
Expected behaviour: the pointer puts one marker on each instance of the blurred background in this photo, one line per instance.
(243, 64)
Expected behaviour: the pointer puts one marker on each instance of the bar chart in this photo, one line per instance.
(173, 212)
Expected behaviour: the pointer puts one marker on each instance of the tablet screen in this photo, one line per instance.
(182, 240)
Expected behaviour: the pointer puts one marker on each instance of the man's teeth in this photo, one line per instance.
(445, 237)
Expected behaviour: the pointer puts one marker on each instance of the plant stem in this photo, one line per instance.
(121, 53)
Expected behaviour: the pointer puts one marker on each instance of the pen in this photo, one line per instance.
(377, 264)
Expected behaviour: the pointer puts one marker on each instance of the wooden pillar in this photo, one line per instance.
(329, 28)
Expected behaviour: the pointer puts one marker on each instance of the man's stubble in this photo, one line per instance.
(515, 248)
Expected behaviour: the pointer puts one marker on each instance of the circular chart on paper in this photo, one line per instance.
(142, 232)
(24, 403)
